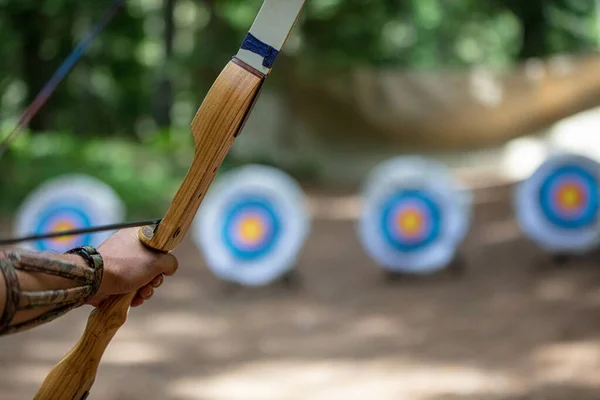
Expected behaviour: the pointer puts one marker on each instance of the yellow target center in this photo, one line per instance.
(62, 226)
(252, 229)
(410, 222)
(571, 197)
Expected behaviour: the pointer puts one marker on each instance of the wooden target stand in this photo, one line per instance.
(290, 281)
(565, 260)
(456, 269)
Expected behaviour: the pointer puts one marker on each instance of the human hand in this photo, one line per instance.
(130, 266)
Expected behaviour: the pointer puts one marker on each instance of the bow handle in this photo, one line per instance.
(215, 127)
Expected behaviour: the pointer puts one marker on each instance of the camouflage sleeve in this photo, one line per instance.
(88, 278)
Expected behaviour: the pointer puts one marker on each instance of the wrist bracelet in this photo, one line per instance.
(95, 262)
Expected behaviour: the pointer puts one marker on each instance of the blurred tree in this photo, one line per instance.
(163, 101)
(103, 93)
(41, 49)
(532, 17)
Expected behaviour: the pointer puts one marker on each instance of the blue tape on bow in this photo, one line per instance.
(255, 45)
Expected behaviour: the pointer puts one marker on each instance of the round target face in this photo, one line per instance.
(410, 219)
(67, 203)
(415, 215)
(63, 217)
(569, 197)
(558, 205)
(252, 225)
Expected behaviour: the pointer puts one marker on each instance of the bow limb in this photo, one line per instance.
(217, 123)
(215, 127)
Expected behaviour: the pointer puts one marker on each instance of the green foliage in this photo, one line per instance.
(145, 177)
(157, 58)
(114, 86)
(429, 34)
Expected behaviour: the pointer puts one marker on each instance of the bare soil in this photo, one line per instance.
(513, 326)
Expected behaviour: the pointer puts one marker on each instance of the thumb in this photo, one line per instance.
(166, 264)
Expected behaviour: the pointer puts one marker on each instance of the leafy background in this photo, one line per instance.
(123, 113)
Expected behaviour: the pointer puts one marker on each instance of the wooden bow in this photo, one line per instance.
(217, 123)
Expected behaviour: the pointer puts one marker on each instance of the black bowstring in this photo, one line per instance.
(75, 232)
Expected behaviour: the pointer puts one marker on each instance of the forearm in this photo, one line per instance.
(36, 288)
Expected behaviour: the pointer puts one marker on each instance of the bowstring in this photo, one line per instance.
(63, 70)
(76, 232)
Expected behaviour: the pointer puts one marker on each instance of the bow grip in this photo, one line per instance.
(217, 123)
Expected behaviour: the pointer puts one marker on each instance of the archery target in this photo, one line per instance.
(66, 203)
(414, 216)
(252, 224)
(557, 206)
(251, 227)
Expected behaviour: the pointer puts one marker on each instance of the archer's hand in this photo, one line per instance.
(130, 266)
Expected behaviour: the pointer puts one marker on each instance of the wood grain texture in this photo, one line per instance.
(74, 375)
(214, 127)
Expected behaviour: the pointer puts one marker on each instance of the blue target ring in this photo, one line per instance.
(67, 216)
(410, 220)
(569, 197)
(251, 228)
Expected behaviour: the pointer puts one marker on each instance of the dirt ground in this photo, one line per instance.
(512, 327)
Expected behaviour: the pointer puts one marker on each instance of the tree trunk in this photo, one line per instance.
(533, 19)
(163, 101)
(33, 68)
(36, 71)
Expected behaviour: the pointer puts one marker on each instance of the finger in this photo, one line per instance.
(156, 282)
(137, 301)
(167, 264)
(146, 292)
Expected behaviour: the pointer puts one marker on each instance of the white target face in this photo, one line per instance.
(557, 207)
(415, 215)
(66, 203)
(252, 225)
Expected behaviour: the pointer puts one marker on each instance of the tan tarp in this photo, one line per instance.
(446, 109)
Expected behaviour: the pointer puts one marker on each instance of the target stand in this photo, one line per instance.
(65, 203)
(456, 268)
(252, 226)
(414, 218)
(557, 207)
